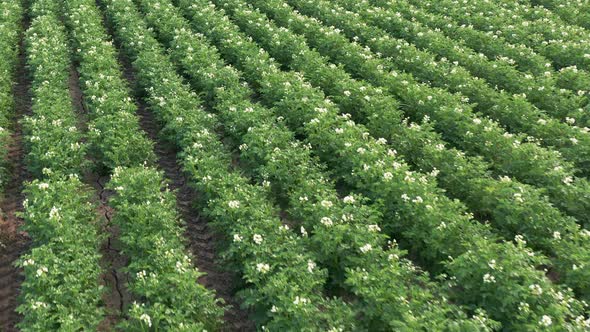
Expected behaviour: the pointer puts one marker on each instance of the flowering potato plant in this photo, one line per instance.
(463, 177)
(314, 116)
(260, 142)
(114, 133)
(420, 100)
(564, 45)
(279, 284)
(10, 29)
(61, 289)
(571, 11)
(152, 238)
(144, 212)
(540, 91)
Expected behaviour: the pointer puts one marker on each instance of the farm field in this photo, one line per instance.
(294, 165)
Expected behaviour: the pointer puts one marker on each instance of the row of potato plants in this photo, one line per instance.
(435, 228)
(61, 288)
(530, 10)
(499, 73)
(524, 58)
(540, 91)
(282, 283)
(144, 208)
(564, 45)
(572, 11)
(11, 15)
(514, 111)
(343, 233)
(508, 154)
(502, 201)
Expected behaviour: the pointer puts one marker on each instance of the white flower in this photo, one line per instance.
(41, 270)
(349, 199)
(262, 268)
(570, 120)
(300, 300)
(327, 204)
(234, 204)
(38, 304)
(43, 186)
(339, 130)
(556, 235)
(147, 319)
(274, 309)
(542, 121)
(28, 262)
(366, 248)
(574, 140)
(311, 265)
(347, 93)
(519, 239)
(492, 264)
(536, 289)
(418, 200)
(374, 228)
(489, 279)
(327, 221)
(568, 180)
(387, 176)
(238, 238)
(257, 238)
(545, 321)
(361, 150)
(477, 121)
(303, 231)
(54, 214)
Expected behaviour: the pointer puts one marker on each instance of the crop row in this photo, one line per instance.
(342, 232)
(151, 232)
(508, 154)
(572, 11)
(540, 91)
(510, 205)
(61, 287)
(283, 285)
(411, 203)
(528, 10)
(572, 142)
(11, 15)
(497, 47)
(564, 45)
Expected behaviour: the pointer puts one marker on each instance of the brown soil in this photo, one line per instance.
(117, 297)
(13, 242)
